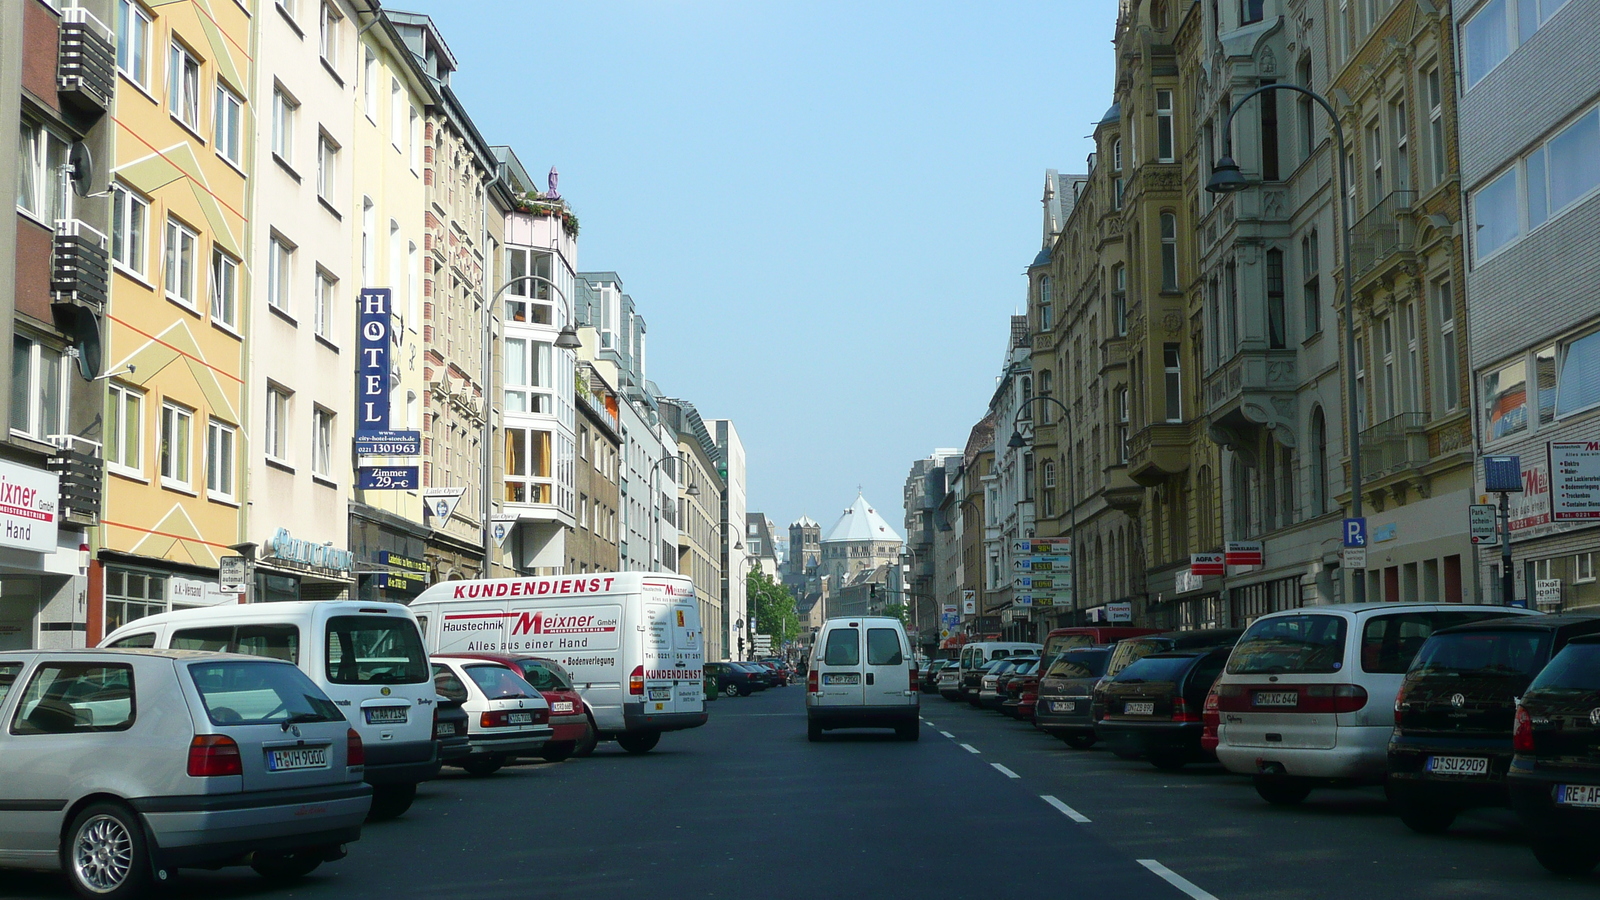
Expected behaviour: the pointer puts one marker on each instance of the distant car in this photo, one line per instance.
(450, 729)
(1065, 691)
(775, 676)
(785, 672)
(1020, 691)
(572, 732)
(1153, 707)
(761, 677)
(506, 716)
(928, 681)
(950, 678)
(160, 759)
(733, 680)
(987, 697)
(1456, 710)
(1020, 668)
(1553, 779)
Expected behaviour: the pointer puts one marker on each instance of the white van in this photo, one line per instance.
(1308, 694)
(631, 640)
(367, 657)
(978, 654)
(862, 676)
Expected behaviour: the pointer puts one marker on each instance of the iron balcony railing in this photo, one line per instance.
(1394, 445)
(1385, 230)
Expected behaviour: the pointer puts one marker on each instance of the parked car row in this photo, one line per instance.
(1448, 707)
(741, 679)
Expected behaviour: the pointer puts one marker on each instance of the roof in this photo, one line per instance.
(860, 522)
(1043, 259)
(806, 521)
(1114, 114)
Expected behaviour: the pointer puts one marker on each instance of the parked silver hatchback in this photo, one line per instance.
(119, 766)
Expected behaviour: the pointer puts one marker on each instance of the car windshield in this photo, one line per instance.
(544, 675)
(1080, 664)
(375, 650)
(1483, 653)
(1024, 666)
(260, 693)
(499, 683)
(1576, 669)
(1155, 668)
(1305, 644)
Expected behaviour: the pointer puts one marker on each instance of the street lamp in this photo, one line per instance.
(983, 574)
(693, 490)
(1018, 441)
(566, 339)
(1227, 179)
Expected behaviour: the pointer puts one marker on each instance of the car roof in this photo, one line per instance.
(257, 611)
(1351, 609)
(1197, 638)
(1528, 623)
(180, 655)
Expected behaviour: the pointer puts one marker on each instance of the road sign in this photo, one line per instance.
(1243, 553)
(387, 478)
(1480, 522)
(389, 443)
(234, 574)
(1203, 564)
(1355, 533)
(1353, 558)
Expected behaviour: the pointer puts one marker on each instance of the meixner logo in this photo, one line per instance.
(544, 623)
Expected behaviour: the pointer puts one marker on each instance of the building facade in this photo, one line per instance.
(593, 544)
(698, 515)
(736, 555)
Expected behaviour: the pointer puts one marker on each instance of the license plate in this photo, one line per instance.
(1275, 698)
(1064, 706)
(664, 693)
(1139, 709)
(1578, 794)
(1458, 765)
(842, 678)
(386, 715)
(297, 758)
(561, 706)
(444, 729)
(517, 718)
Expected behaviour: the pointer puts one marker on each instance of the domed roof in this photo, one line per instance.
(860, 522)
(1043, 259)
(1114, 114)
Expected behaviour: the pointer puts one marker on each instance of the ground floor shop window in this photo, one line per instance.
(133, 595)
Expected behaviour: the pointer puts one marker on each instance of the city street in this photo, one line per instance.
(747, 807)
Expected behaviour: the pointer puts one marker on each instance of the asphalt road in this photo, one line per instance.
(981, 807)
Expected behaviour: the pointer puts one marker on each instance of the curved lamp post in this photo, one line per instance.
(693, 490)
(1018, 441)
(983, 575)
(1227, 179)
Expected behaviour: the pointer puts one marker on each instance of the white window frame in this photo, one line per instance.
(1583, 567)
(1169, 252)
(1516, 16)
(228, 121)
(128, 244)
(1433, 99)
(369, 84)
(1166, 130)
(133, 56)
(38, 362)
(322, 443)
(124, 450)
(1590, 340)
(1441, 296)
(535, 398)
(280, 272)
(176, 468)
(327, 168)
(179, 265)
(285, 108)
(1119, 298)
(46, 197)
(328, 24)
(1529, 176)
(1172, 381)
(221, 447)
(183, 85)
(396, 122)
(325, 294)
(225, 272)
(277, 416)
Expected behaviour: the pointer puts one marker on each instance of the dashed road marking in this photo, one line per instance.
(1176, 880)
(1065, 810)
(1005, 771)
(970, 749)
(948, 735)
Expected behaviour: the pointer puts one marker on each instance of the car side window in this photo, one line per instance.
(1390, 643)
(144, 639)
(883, 647)
(999, 654)
(448, 685)
(73, 698)
(843, 648)
(8, 677)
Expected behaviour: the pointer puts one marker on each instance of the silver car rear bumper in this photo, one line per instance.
(208, 828)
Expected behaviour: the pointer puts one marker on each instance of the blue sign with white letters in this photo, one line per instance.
(1355, 532)
(389, 443)
(387, 478)
(372, 361)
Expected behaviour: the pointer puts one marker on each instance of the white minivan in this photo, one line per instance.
(367, 657)
(862, 676)
(632, 641)
(976, 655)
(1308, 694)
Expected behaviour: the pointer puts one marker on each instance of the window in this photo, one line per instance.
(369, 84)
(280, 272)
(1250, 11)
(1174, 382)
(1277, 327)
(37, 398)
(1496, 29)
(415, 132)
(1390, 643)
(1116, 155)
(1444, 313)
(883, 647)
(1583, 567)
(129, 212)
(369, 246)
(219, 459)
(1119, 299)
(132, 595)
(1304, 111)
(530, 299)
(1399, 131)
(1164, 133)
(1047, 482)
(1433, 97)
(529, 466)
(529, 380)
(277, 436)
(375, 650)
(1269, 132)
(224, 288)
(284, 110)
(76, 698)
(1311, 288)
(124, 427)
(397, 122)
(322, 442)
(1230, 311)
(228, 114)
(1122, 413)
(183, 86)
(325, 289)
(133, 41)
(1169, 252)
(176, 423)
(1375, 163)
(1505, 400)
(1386, 387)
(1319, 463)
(1045, 301)
(41, 191)
(327, 168)
(178, 275)
(1361, 382)
(1411, 363)
(1543, 184)
(843, 648)
(1578, 387)
(328, 35)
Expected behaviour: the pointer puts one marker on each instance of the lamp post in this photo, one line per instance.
(1227, 179)
(982, 570)
(1018, 441)
(566, 339)
(727, 579)
(655, 521)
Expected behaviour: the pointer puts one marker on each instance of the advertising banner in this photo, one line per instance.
(1575, 480)
(1203, 564)
(388, 478)
(1243, 553)
(28, 507)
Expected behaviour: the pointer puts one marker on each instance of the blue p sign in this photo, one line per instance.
(1355, 532)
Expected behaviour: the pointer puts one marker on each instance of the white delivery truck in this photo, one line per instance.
(631, 640)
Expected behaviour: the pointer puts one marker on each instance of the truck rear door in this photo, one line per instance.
(888, 673)
(688, 643)
(664, 668)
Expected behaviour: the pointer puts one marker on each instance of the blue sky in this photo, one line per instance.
(822, 209)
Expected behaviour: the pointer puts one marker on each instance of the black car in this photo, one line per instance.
(1126, 651)
(1064, 692)
(929, 682)
(1453, 717)
(1554, 779)
(1153, 707)
(1021, 667)
(762, 675)
(450, 728)
(733, 680)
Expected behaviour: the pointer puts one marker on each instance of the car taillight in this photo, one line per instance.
(811, 680)
(1332, 698)
(636, 681)
(541, 716)
(912, 684)
(1400, 706)
(214, 754)
(1181, 713)
(1521, 737)
(355, 752)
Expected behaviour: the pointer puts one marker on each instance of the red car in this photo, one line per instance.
(574, 731)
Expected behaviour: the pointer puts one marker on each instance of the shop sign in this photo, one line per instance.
(1575, 480)
(969, 603)
(441, 502)
(388, 478)
(1119, 612)
(308, 553)
(1243, 553)
(1531, 508)
(1547, 591)
(192, 592)
(406, 573)
(28, 512)
(1203, 564)
(372, 361)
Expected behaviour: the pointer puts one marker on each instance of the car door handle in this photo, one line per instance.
(869, 678)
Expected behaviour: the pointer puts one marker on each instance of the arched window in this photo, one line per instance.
(1116, 155)
(1319, 463)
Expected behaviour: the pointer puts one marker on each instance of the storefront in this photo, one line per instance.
(390, 555)
(292, 569)
(132, 591)
(41, 584)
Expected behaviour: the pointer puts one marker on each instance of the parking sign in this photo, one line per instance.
(1355, 533)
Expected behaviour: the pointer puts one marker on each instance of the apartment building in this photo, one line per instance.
(698, 515)
(924, 491)
(1008, 490)
(593, 544)
(737, 558)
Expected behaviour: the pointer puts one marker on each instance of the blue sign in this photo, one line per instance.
(1502, 473)
(389, 443)
(388, 478)
(372, 361)
(1355, 532)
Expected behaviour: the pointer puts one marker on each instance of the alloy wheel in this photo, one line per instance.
(102, 854)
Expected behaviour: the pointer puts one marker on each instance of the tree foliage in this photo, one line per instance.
(773, 608)
(898, 611)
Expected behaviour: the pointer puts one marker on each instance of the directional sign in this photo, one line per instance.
(1243, 553)
(1355, 533)
(387, 478)
(389, 443)
(1203, 564)
(1480, 522)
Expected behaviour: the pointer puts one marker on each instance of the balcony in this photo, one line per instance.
(1158, 451)
(1387, 230)
(80, 267)
(1394, 446)
(86, 63)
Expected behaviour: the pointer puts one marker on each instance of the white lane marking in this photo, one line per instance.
(1177, 881)
(970, 749)
(948, 735)
(1065, 810)
(1005, 771)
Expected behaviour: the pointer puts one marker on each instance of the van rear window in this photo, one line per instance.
(843, 648)
(375, 650)
(1484, 653)
(1080, 664)
(272, 641)
(1305, 644)
(883, 647)
(1155, 668)
(1575, 668)
(8, 677)
(1389, 643)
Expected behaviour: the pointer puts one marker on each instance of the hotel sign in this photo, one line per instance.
(372, 361)
(28, 508)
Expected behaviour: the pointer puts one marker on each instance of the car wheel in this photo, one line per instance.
(1565, 857)
(639, 742)
(105, 855)
(390, 801)
(732, 690)
(909, 731)
(1281, 791)
(483, 766)
(1078, 741)
(587, 743)
(556, 751)
(1168, 762)
(813, 731)
(284, 866)
(744, 692)
(1423, 817)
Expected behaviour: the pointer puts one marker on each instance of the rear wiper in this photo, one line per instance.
(302, 717)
